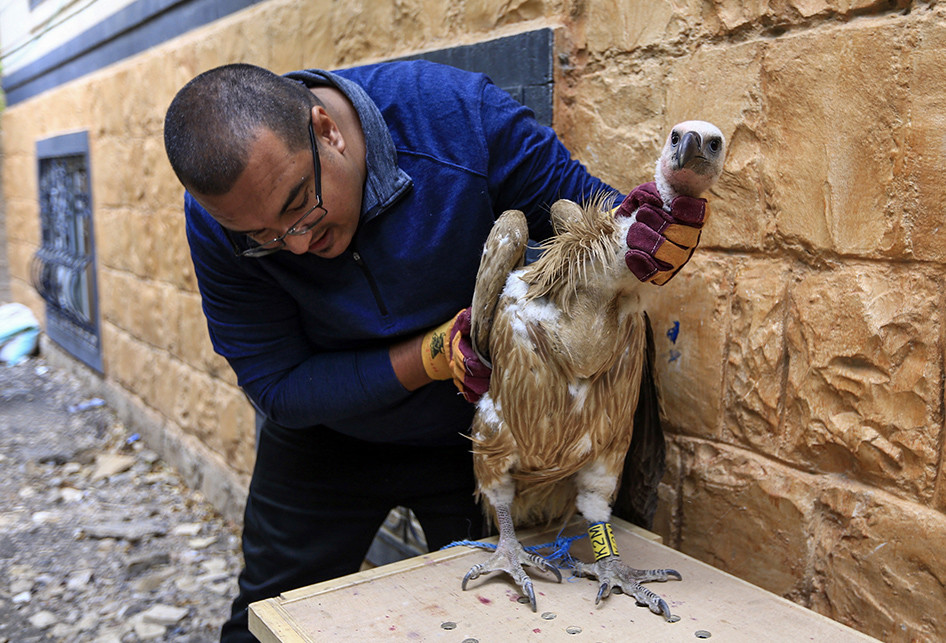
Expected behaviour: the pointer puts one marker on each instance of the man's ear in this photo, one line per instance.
(326, 129)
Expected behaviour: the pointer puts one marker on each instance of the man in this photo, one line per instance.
(336, 222)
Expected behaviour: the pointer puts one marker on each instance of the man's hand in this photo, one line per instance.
(447, 353)
(659, 241)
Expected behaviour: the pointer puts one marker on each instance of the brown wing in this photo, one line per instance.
(503, 252)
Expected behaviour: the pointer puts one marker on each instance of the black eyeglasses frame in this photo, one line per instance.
(296, 229)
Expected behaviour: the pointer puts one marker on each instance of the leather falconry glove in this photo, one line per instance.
(447, 352)
(661, 240)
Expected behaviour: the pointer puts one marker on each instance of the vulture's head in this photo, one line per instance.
(692, 159)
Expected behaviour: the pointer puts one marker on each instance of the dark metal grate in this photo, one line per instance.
(63, 269)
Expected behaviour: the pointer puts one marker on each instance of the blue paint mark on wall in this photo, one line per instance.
(674, 355)
(673, 331)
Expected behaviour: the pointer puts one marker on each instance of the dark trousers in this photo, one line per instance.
(317, 498)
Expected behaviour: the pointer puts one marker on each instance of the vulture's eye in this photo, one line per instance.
(674, 138)
(714, 145)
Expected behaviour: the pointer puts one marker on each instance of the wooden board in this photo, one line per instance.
(421, 599)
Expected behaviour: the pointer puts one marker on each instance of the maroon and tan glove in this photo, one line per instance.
(447, 352)
(660, 242)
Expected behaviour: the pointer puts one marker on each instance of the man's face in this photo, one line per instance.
(278, 187)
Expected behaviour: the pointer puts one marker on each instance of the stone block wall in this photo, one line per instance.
(5, 296)
(803, 387)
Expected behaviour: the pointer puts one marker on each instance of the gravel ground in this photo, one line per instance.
(99, 540)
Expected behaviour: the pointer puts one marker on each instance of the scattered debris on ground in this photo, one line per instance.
(100, 541)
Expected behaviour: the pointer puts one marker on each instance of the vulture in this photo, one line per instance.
(565, 336)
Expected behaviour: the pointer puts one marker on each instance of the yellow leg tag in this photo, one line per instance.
(602, 540)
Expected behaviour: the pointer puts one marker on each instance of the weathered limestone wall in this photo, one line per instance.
(804, 390)
(805, 386)
(4, 262)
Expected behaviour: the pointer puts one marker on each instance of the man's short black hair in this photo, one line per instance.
(215, 117)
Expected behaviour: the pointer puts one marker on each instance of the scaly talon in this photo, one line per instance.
(664, 609)
(544, 565)
(473, 574)
(509, 558)
(615, 575)
(657, 575)
(530, 592)
(603, 592)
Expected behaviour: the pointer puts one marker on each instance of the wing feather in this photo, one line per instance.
(503, 252)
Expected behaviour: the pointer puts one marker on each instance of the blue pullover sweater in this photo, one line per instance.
(308, 337)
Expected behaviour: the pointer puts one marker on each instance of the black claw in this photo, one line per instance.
(470, 575)
(603, 592)
(673, 574)
(545, 565)
(663, 608)
(530, 593)
(549, 567)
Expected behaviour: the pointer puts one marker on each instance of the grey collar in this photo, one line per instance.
(385, 182)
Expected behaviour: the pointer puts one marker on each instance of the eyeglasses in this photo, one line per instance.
(300, 227)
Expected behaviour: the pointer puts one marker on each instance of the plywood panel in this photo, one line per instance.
(421, 599)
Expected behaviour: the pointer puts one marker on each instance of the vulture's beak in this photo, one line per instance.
(688, 148)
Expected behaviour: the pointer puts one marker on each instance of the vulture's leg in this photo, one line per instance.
(595, 488)
(510, 557)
